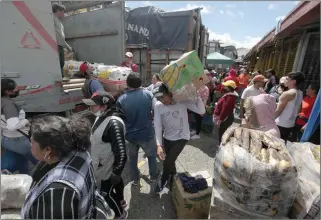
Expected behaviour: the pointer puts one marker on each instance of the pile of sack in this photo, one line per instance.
(113, 78)
(307, 201)
(184, 76)
(254, 176)
(14, 189)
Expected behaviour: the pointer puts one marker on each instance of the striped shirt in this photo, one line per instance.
(58, 201)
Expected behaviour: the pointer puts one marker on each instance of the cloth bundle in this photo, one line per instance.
(192, 184)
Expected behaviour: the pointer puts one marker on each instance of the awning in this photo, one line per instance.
(217, 58)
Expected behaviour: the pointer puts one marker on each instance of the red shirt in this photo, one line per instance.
(307, 105)
(134, 67)
(225, 106)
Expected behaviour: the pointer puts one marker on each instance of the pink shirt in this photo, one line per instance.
(264, 106)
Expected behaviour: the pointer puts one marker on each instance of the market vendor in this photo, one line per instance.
(129, 62)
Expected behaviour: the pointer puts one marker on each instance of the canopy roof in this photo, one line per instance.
(217, 58)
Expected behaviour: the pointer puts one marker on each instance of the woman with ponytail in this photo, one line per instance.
(63, 182)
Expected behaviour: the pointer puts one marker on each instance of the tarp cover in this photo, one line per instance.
(156, 29)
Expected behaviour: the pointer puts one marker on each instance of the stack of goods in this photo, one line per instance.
(184, 76)
(254, 176)
(307, 200)
(191, 195)
(71, 67)
(68, 55)
(113, 78)
(14, 189)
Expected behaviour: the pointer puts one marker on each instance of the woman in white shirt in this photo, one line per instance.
(171, 129)
(14, 125)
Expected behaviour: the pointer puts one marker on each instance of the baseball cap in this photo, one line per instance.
(129, 54)
(100, 98)
(230, 83)
(258, 78)
(83, 67)
(160, 90)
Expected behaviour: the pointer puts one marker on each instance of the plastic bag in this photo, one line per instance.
(11, 214)
(182, 71)
(307, 201)
(187, 92)
(14, 189)
(113, 78)
(255, 173)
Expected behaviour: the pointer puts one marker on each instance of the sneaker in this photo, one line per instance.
(123, 204)
(193, 133)
(124, 215)
(65, 79)
(195, 137)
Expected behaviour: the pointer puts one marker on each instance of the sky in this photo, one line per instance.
(240, 23)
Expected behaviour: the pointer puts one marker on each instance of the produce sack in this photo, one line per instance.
(222, 210)
(113, 78)
(14, 189)
(71, 67)
(254, 172)
(307, 200)
(186, 93)
(182, 71)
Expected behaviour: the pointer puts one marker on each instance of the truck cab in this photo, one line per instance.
(29, 56)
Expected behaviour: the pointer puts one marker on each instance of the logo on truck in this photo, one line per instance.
(28, 34)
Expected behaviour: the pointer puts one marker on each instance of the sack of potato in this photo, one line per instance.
(182, 71)
(254, 172)
(113, 78)
(71, 67)
(307, 200)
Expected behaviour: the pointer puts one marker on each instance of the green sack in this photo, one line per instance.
(182, 71)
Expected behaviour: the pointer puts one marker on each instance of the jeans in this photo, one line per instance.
(285, 133)
(198, 123)
(19, 145)
(149, 147)
(172, 151)
(224, 126)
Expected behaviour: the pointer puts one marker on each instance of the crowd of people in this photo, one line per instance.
(72, 157)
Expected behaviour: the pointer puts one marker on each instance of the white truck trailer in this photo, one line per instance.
(28, 51)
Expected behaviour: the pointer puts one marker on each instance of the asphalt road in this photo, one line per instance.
(198, 155)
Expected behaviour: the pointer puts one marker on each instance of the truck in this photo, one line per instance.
(28, 51)
(28, 48)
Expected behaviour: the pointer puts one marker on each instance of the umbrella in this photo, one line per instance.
(217, 58)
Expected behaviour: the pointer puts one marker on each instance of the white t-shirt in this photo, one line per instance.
(250, 91)
(173, 119)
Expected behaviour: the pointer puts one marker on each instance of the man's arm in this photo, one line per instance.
(115, 135)
(283, 101)
(158, 126)
(243, 97)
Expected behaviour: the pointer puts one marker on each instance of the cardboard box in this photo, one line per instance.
(187, 69)
(192, 206)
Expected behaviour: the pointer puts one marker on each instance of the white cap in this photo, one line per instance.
(282, 80)
(129, 54)
(206, 72)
